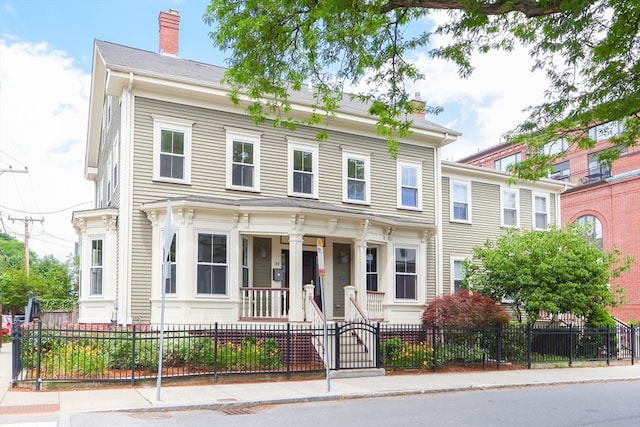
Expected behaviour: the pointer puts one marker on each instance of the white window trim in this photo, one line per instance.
(417, 273)
(377, 266)
(452, 270)
(417, 165)
(227, 293)
(314, 149)
(502, 207)
(452, 201)
(161, 242)
(91, 267)
(534, 211)
(346, 156)
(161, 123)
(241, 135)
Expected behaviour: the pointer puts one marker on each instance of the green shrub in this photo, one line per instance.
(399, 354)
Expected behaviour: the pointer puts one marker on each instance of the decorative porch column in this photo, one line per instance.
(360, 267)
(296, 303)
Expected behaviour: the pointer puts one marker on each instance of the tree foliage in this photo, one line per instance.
(556, 271)
(48, 278)
(464, 308)
(590, 51)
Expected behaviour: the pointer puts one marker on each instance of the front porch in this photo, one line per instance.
(262, 264)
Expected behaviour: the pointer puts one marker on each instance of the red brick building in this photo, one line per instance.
(606, 195)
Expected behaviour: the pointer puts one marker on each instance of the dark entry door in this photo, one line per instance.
(309, 272)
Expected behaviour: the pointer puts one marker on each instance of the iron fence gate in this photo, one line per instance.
(357, 345)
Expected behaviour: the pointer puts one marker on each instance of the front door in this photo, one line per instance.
(309, 273)
(341, 276)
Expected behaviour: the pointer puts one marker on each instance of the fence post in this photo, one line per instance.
(433, 345)
(16, 352)
(377, 355)
(608, 345)
(288, 350)
(215, 352)
(633, 343)
(571, 343)
(529, 339)
(499, 349)
(336, 351)
(133, 355)
(38, 355)
(484, 348)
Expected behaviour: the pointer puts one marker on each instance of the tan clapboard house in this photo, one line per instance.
(252, 203)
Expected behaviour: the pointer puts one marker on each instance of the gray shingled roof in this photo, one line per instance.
(128, 59)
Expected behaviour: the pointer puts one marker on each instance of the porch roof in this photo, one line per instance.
(286, 205)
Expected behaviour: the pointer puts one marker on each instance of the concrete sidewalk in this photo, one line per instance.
(217, 396)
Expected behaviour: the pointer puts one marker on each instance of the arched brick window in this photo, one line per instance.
(595, 232)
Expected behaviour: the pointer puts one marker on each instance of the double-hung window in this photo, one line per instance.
(406, 274)
(96, 267)
(170, 281)
(509, 203)
(243, 160)
(540, 211)
(457, 274)
(598, 169)
(245, 262)
(171, 149)
(356, 173)
(212, 264)
(460, 201)
(372, 269)
(303, 170)
(409, 185)
(561, 171)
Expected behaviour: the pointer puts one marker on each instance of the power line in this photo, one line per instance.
(44, 213)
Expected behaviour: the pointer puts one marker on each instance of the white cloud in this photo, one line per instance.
(43, 105)
(487, 104)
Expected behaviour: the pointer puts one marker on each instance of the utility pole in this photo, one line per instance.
(26, 221)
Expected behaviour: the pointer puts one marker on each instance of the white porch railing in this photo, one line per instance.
(317, 320)
(374, 305)
(264, 303)
(356, 314)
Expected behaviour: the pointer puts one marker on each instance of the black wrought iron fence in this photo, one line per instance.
(114, 353)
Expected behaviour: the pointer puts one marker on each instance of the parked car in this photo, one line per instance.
(6, 324)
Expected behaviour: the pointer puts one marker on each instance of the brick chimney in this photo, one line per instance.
(419, 106)
(169, 23)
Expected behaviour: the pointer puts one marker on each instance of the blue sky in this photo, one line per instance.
(45, 64)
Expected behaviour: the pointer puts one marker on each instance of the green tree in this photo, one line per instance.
(590, 51)
(557, 271)
(11, 252)
(52, 281)
(14, 289)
